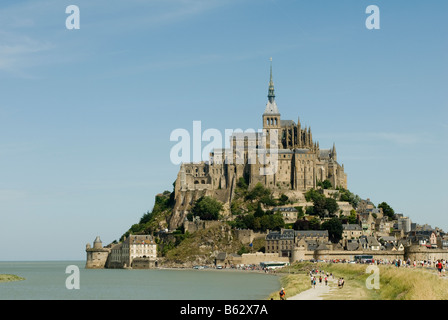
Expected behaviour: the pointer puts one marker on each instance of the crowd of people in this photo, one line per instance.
(439, 264)
(321, 276)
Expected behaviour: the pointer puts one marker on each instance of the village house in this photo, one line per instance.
(136, 251)
(351, 231)
(282, 242)
(289, 214)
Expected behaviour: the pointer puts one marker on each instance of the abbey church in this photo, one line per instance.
(282, 156)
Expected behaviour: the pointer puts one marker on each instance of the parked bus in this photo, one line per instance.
(273, 264)
(364, 258)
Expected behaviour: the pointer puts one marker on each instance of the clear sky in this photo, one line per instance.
(86, 114)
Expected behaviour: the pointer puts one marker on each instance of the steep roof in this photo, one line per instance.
(351, 227)
(271, 109)
(287, 123)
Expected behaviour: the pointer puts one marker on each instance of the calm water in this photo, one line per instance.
(46, 280)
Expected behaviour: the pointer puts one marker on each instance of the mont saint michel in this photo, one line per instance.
(274, 197)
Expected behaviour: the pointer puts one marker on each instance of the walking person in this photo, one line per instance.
(326, 280)
(439, 267)
(282, 294)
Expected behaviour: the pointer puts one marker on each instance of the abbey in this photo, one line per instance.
(282, 156)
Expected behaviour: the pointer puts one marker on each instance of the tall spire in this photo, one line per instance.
(271, 95)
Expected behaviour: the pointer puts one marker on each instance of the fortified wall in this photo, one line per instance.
(421, 253)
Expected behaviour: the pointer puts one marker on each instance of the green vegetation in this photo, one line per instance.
(250, 209)
(150, 221)
(10, 277)
(334, 227)
(247, 206)
(347, 196)
(200, 244)
(326, 184)
(260, 221)
(206, 208)
(395, 283)
(293, 284)
(352, 218)
(387, 210)
(321, 204)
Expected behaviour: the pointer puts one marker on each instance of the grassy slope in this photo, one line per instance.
(202, 243)
(395, 284)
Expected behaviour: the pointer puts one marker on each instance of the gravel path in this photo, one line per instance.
(318, 292)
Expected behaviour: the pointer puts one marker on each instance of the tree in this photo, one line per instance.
(326, 184)
(207, 208)
(268, 200)
(346, 195)
(320, 206)
(301, 224)
(387, 210)
(310, 211)
(259, 212)
(258, 192)
(235, 207)
(242, 184)
(276, 222)
(334, 228)
(283, 199)
(331, 205)
(314, 224)
(300, 213)
(353, 218)
(312, 194)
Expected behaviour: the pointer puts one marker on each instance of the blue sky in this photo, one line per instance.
(86, 115)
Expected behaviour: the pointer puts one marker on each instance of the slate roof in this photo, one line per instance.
(351, 227)
(271, 109)
(287, 123)
(288, 209)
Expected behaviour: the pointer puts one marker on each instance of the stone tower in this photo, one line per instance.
(96, 256)
(271, 115)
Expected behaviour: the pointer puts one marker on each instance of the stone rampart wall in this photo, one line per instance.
(258, 257)
(96, 258)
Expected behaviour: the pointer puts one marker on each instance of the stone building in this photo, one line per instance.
(404, 223)
(281, 156)
(133, 249)
(136, 251)
(351, 231)
(289, 214)
(97, 255)
(284, 241)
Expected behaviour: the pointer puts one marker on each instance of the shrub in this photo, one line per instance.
(207, 208)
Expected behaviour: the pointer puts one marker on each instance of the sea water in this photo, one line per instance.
(46, 280)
